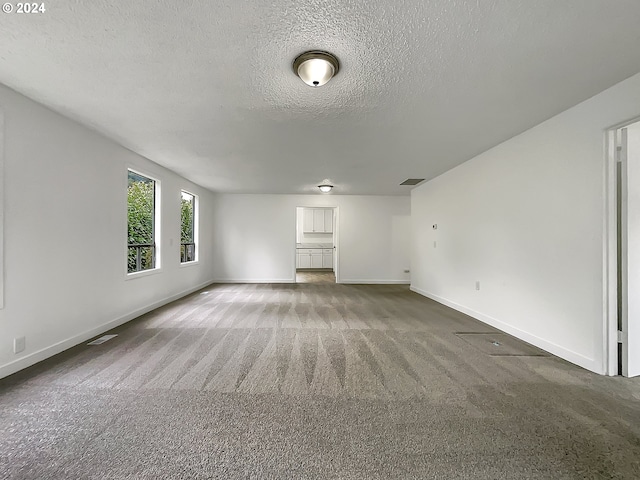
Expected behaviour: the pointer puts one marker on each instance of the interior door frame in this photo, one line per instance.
(611, 337)
(336, 238)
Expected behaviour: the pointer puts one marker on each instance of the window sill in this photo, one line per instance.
(189, 264)
(143, 273)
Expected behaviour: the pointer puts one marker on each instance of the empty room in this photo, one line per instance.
(353, 240)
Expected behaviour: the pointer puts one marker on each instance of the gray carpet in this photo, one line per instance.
(313, 381)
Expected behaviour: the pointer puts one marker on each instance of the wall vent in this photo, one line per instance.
(102, 339)
(412, 181)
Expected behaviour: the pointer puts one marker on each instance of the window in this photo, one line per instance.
(188, 228)
(141, 223)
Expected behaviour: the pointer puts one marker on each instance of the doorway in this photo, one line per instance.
(316, 255)
(623, 329)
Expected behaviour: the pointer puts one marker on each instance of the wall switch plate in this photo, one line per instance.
(19, 344)
(434, 244)
(478, 285)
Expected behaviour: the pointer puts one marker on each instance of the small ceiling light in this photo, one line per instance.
(316, 68)
(325, 188)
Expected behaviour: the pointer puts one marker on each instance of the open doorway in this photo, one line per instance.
(316, 245)
(623, 332)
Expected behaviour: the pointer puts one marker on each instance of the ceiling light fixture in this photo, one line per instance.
(315, 68)
(325, 188)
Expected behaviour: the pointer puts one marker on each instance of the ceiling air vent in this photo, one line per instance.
(412, 181)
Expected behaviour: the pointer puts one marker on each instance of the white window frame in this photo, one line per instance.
(196, 229)
(157, 226)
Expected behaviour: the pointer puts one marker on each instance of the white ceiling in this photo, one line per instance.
(206, 87)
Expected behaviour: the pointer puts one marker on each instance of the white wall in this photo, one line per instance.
(526, 219)
(65, 234)
(255, 237)
(1, 208)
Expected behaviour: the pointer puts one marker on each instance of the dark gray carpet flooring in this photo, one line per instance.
(314, 381)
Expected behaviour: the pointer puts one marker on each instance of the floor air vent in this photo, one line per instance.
(102, 339)
(501, 345)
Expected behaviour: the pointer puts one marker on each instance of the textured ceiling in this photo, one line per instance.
(206, 87)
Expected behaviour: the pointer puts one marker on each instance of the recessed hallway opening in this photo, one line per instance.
(313, 381)
(316, 255)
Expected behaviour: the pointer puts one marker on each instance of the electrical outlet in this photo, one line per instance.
(19, 344)
(478, 285)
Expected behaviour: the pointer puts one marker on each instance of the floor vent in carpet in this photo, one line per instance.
(501, 345)
(102, 339)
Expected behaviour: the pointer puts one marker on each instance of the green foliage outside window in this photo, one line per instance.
(186, 217)
(187, 249)
(140, 221)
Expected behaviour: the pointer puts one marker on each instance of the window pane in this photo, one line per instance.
(140, 221)
(187, 227)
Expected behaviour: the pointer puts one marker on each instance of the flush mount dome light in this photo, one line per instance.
(325, 188)
(315, 68)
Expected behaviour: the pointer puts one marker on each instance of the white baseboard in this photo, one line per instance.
(254, 280)
(43, 354)
(557, 350)
(377, 282)
(291, 280)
